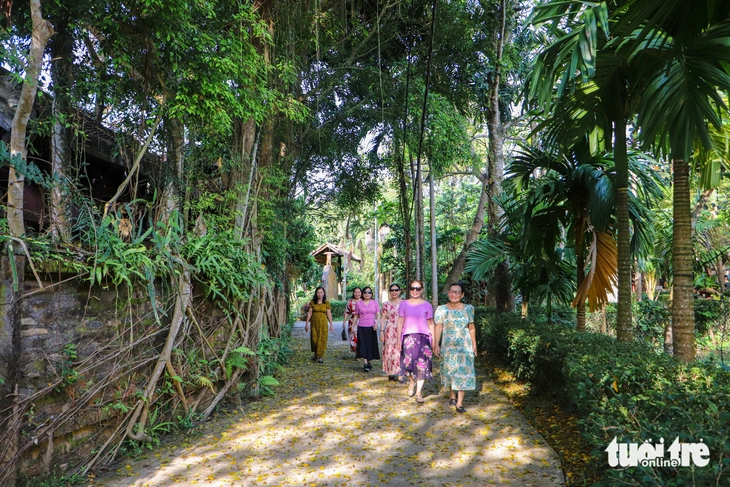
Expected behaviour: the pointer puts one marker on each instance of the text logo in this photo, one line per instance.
(652, 455)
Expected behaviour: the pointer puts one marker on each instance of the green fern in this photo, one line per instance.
(268, 380)
(237, 358)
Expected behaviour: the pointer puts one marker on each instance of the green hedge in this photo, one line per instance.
(622, 390)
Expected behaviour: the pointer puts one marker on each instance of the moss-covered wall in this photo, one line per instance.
(83, 358)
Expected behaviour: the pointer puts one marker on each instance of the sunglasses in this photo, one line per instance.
(368, 292)
(394, 290)
(415, 288)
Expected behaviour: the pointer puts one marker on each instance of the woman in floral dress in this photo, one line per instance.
(350, 315)
(458, 348)
(415, 327)
(389, 334)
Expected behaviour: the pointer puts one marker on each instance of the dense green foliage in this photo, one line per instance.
(623, 390)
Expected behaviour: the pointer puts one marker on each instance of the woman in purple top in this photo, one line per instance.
(368, 314)
(415, 326)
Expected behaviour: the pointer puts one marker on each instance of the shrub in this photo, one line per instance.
(622, 390)
(651, 319)
(709, 313)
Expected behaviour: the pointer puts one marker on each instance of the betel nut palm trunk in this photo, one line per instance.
(683, 299)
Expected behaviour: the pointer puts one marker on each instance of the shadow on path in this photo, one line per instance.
(332, 424)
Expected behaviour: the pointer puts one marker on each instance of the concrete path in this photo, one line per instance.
(333, 425)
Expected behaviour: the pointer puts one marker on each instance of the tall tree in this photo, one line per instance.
(686, 47)
(41, 32)
(576, 192)
(581, 57)
(500, 61)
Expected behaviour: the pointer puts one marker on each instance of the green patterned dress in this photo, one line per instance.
(457, 353)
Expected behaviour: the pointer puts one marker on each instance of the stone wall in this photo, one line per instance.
(77, 371)
(68, 332)
(80, 358)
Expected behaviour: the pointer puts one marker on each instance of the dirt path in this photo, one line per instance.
(333, 425)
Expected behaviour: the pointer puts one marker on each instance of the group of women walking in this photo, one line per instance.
(411, 335)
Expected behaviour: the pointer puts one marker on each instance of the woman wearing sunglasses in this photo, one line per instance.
(458, 347)
(368, 314)
(415, 326)
(389, 334)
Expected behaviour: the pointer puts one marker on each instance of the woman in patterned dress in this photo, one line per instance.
(389, 334)
(319, 314)
(459, 346)
(415, 327)
(349, 319)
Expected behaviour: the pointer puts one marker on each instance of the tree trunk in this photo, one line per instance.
(668, 344)
(59, 162)
(580, 310)
(405, 213)
(624, 326)
(434, 250)
(61, 46)
(457, 268)
(504, 298)
(42, 32)
(683, 326)
(242, 176)
(525, 305)
(172, 188)
(720, 272)
(11, 312)
(420, 230)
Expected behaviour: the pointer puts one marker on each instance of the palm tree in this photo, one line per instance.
(576, 190)
(536, 272)
(684, 50)
(583, 81)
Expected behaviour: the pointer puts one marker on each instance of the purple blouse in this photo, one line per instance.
(416, 317)
(367, 312)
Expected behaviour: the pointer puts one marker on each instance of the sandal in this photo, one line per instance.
(420, 399)
(412, 389)
(460, 410)
(452, 402)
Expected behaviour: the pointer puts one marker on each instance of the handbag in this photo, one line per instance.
(344, 335)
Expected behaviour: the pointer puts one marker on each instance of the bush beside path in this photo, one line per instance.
(332, 424)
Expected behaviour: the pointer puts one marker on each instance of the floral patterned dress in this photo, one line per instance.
(351, 328)
(416, 352)
(391, 351)
(457, 352)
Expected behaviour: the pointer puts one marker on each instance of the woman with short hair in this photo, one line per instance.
(415, 327)
(458, 347)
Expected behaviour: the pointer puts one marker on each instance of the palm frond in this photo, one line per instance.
(484, 257)
(603, 272)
